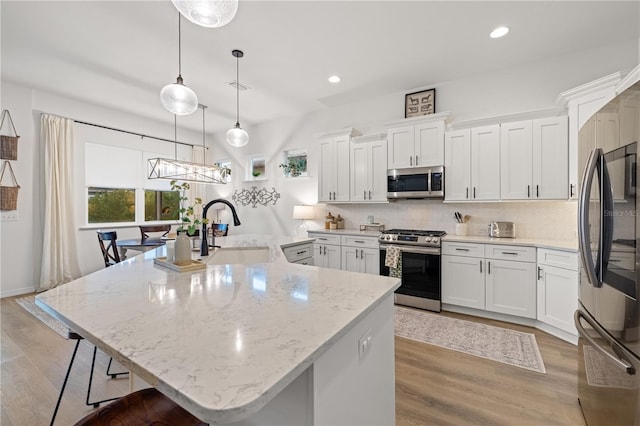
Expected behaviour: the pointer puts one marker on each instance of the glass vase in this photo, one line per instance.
(182, 250)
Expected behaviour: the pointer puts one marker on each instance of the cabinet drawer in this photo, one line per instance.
(325, 238)
(295, 253)
(353, 241)
(305, 261)
(507, 252)
(558, 258)
(463, 249)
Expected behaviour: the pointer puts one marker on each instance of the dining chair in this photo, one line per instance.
(146, 229)
(110, 251)
(143, 407)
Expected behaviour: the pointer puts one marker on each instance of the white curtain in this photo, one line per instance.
(59, 248)
(197, 189)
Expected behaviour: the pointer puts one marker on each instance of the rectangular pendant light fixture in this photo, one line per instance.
(166, 168)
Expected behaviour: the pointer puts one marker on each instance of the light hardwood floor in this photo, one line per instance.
(434, 386)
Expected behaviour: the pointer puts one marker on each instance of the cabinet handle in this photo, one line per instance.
(481, 266)
(361, 254)
(537, 191)
(411, 160)
(528, 191)
(325, 250)
(334, 196)
(510, 252)
(356, 253)
(369, 194)
(571, 190)
(322, 238)
(474, 192)
(539, 273)
(615, 260)
(416, 160)
(301, 252)
(467, 193)
(488, 267)
(364, 196)
(461, 249)
(358, 241)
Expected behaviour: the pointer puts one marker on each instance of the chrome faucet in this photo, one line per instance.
(204, 245)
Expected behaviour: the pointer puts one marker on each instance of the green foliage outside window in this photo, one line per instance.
(161, 205)
(108, 205)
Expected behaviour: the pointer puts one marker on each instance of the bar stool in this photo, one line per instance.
(144, 407)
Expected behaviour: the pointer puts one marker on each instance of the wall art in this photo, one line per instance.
(254, 196)
(420, 103)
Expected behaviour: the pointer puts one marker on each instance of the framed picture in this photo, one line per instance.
(295, 163)
(420, 103)
(257, 168)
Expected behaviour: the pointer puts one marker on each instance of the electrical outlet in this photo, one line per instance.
(9, 216)
(364, 343)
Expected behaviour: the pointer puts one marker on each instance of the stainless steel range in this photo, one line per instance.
(418, 266)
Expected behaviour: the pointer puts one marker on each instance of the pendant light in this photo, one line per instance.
(208, 13)
(237, 136)
(176, 97)
(166, 168)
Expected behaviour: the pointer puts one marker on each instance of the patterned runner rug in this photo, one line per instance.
(29, 304)
(486, 341)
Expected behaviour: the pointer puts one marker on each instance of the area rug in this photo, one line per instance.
(495, 343)
(602, 373)
(29, 304)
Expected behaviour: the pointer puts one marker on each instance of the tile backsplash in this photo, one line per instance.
(533, 219)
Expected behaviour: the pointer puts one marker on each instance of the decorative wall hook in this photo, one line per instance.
(255, 196)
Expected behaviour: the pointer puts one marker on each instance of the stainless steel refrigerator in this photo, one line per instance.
(608, 315)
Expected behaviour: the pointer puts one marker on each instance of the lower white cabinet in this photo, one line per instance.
(326, 250)
(301, 254)
(558, 274)
(360, 254)
(485, 277)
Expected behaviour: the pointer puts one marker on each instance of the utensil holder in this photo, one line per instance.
(462, 229)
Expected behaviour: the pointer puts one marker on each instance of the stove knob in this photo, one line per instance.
(394, 237)
(435, 240)
(427, 239)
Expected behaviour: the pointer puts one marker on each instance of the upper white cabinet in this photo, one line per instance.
(417, 142)
(582, 103)
(333, 179)
(368, 169)
(472, 164)
(534, 158)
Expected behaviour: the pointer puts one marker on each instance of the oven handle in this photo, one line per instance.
(409, 249)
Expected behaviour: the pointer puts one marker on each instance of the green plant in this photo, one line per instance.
(255, 173)
(293, 166)
(187, 220)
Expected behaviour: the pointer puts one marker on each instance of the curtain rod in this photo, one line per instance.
(134, 133)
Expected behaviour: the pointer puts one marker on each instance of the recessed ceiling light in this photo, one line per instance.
(499, 32)
(334, 79)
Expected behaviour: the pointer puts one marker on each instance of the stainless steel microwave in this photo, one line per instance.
(416, 182)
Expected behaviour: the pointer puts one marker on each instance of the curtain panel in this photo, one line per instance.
(59, 247)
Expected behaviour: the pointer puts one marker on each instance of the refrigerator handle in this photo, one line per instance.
(623, 364)
(583, 216)
(606, 223)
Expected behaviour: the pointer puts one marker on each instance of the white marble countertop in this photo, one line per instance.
(221, 341)
(566, 245)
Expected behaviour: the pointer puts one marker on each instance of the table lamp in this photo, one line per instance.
(303, 213)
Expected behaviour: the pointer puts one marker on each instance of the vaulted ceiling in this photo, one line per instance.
(120, 54)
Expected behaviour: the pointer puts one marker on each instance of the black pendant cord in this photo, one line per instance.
(179, 47)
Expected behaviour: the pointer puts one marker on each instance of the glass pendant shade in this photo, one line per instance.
(237, 136)
(178, 98)
(208, 13)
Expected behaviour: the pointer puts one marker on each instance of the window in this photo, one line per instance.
(107, 205)
(161, 205)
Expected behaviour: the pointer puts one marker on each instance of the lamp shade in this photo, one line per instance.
(303, 212)
(237, 136)
(208, 13)
(178, 99)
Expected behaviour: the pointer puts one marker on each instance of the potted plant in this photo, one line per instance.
(188, 223)
(291, 168)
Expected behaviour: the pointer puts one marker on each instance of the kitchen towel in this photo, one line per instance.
(392, 257)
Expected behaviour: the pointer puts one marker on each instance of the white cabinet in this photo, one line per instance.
(360, 254)
(299, 253)
(534, 157)
(326, 250)
(368, 178)
(472, 164)
(557, 292)
(333, 179)
(497, 278)
(417, 142)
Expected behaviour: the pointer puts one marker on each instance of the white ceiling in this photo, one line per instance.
(120, 54)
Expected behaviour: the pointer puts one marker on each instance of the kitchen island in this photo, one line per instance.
(253, 343)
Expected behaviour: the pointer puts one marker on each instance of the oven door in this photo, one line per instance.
(421, 272)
